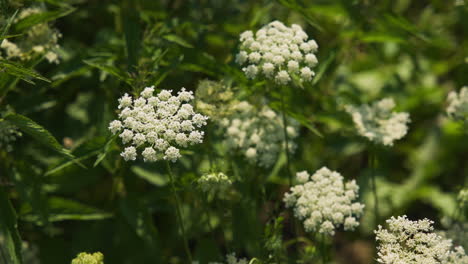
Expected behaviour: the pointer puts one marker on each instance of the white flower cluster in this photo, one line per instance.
(258, 134)
(87, 258)
(278, 52)
(378, 123)
(230, 258)
(214, 99)
(458, 104)
(8, 134)
(414, 242)
(324, 202)
(214, 182)
(40, 39)
(158, 123)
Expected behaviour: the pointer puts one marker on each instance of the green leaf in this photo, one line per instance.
(39, 133)
(152, 177)
(382, 38)
(19, 71)
(61, 209)
(39, 18)
(323, 67)
(105, 150)
(178, 40)
(9, 36)
(10, 246)
(305, 122)
(123, 76)
(8, 24)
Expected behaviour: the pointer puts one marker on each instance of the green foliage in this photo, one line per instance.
(65, 188)
(10, 248)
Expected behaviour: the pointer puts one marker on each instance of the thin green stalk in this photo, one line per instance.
(179, 214)
(323, 249)
(373, 165)
(285, 132)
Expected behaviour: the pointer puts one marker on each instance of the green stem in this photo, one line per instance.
(179, 214)
(322, 247)
(285, 132)
(372, 164)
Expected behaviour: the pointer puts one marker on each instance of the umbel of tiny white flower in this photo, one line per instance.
(414, 242)
(86, 258)
(214, 182)
(378, 123)
(157, 124)
(277, 52)
(324, 201)
(40, 39)
(458, 104)
(257, 134)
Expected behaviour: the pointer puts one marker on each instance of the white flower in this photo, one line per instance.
(172, 154)
(414, 242)
(39, 40)
(126, 136)
(158, 123)
(251, 153)
(251, 71)
(293, 66)
(125, 101)
(277, 52)
(214, 182)
(458, 104)
(322, 201)
(302, 176)
(282, 77)
(268, 69)
(129, 153)
(149, 154)
(307, 73)
(378, 123)
(311, 60)
(147, 92)
(258, 134)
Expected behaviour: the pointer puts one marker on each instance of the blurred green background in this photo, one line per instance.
(413, 51)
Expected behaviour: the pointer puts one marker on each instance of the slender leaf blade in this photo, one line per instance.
(11, 245)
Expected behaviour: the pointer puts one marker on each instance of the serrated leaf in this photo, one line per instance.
(178, 40)
(10, 245)
(38, 132)
(39, 18)
(21, 72)
(61, 209)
